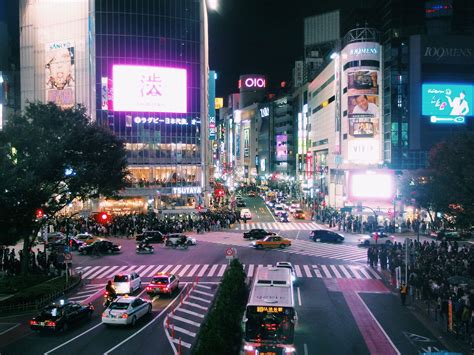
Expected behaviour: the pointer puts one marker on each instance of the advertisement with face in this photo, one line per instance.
(60, 76)
(362, 82)
(281, 146)
(447, 102)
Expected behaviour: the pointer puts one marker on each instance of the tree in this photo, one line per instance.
(48, 158)
(452, 166)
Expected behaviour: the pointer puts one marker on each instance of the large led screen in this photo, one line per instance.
(371, 186)
(149, 89)
(444, 100)
(282, 146)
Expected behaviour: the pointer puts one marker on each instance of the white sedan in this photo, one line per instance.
(126, 310)
(377, 238)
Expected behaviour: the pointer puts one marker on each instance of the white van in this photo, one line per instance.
(245, 213)
(127, 283)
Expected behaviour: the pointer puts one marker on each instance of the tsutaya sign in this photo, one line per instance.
(184, 190)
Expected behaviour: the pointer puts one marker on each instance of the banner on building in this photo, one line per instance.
(60, 74)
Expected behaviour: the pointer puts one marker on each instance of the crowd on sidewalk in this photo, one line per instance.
(11, 262)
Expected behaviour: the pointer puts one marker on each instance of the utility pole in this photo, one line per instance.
(406, 261)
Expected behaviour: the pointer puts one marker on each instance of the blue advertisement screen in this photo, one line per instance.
(447, 102)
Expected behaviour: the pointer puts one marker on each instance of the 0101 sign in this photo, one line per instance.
(252, 82)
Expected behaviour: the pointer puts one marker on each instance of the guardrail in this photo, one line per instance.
(39, 303)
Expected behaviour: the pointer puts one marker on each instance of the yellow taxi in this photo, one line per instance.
(87, 238)
(272, 241)
(299, 214)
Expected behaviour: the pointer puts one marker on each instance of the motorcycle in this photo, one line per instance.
(145, 249)
(108, 299)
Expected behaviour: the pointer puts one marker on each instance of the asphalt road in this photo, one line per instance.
(343, 307)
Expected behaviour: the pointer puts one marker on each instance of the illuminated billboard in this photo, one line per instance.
(371, 185)
(447, 103)
(282, 147)
(60, 73)
(149, 89)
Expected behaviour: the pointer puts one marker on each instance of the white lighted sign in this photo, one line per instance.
(359, 51)
(364, 151)
(184, 190)
(149, 89)
(265, 112)
(370, 185)
(249, 82)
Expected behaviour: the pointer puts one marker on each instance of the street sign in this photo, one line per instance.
(68, 257)
(230, 253)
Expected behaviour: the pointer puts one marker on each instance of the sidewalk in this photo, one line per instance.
(425, 312)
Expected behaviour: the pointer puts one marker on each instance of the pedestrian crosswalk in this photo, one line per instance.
(278, 226)
(333, 271)
(301, 247)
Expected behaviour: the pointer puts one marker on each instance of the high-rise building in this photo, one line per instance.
(141, 69)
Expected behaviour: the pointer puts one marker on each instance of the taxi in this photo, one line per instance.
(275, 241)
(126, 311)
(86, 238)
(163, 283)
(299, 214)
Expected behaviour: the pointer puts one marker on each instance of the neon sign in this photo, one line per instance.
(165, 120)
(247, 82)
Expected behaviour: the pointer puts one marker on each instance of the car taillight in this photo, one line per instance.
(148, 288)
(51, 324)
(33, 322)
(125, 316)
(104, 314)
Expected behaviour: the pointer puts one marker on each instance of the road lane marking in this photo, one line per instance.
(373, 272)
(298, 271)
(299, 296)
(118, 271)
(364, 272)
(250, 271)
(145, 272)
(192, 304)
(137, 270)
(203, 270)
(11, 328)
(106, 272)
(184, 310)
(97, 272)
(305, 346)
(183, 270)
(203, 286)
(317, 271)
(151, 274)
(354, 270)
(193, 270)
(166, 268)
(146, 325)
(307, 271)
(87, 273)
(204, 293)
(176, 268)
(212, 271)
(345, 272)
(221, 271)
(199, 299)
(184, 320)
(71, 340)
(183, 343)
(182, 330)
(335, 271)
(326, 271)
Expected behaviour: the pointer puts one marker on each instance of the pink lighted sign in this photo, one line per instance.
(252, 82)
(149, 89)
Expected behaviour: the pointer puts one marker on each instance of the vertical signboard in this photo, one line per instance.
(246, 132)
(299, 73)
(363, 103)
(60, 75)
(212, 107)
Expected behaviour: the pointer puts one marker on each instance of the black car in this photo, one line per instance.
(326, 236)
(101, 247)
(56, 317)
(74, 243)
(257, 234)
(241, 203)
(151, 237)
(447, 234)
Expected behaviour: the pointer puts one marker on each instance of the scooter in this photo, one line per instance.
(108, 299)
(145, 249)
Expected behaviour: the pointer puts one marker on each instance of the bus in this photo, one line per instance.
(270, 317)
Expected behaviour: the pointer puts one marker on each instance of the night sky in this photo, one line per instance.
(248, 36)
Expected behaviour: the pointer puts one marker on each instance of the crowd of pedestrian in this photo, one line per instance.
(11, 262)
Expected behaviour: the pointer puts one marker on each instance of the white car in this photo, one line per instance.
(126, 310)
(294, 207)
(245, 213)
(127, 283)
(377, 238)
(288, 265)
(278, 210)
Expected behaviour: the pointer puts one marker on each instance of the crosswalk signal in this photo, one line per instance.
(104, 217)
(39, 213)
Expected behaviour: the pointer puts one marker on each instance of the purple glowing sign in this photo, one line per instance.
(149, 89)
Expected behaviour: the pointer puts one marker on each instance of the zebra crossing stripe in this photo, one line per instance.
(183, 271)
(221, 271)
(184, 331)
(99, 276)
(250, 271)
(137, 270)
(364, 272)
(377, 276)
(182, 343)
(203, 270)
(298, 271)
(118, 271)
(144, 272)
(317, 271)
(90, 271)
(175, 269)
(99, 271)
(345, 272)
(307, 271)
(354, 271)
(166, 268)
(212, 271)
(326, 271)
(336, 272)
(192, 304)
(155, 270)
(193, 270)
(184, 310)
(184, 320)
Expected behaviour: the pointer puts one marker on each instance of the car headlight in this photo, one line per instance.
(248, 348)
(253, 243)
(289, 349)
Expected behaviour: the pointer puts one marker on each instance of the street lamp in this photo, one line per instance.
(213, 5)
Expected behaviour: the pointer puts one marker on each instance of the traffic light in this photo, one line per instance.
(39, 213)
(103, 217)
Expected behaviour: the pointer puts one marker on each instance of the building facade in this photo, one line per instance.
(141, 70)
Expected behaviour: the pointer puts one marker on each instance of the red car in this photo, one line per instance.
(162, 283)
(299, 214)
